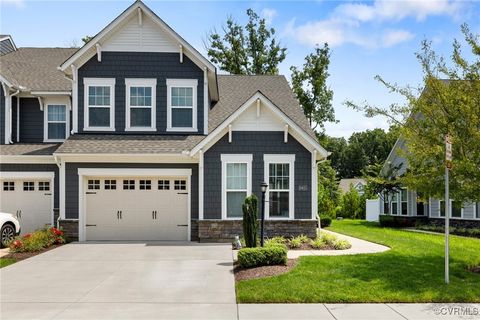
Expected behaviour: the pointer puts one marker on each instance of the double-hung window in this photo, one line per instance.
(456, 208)
(386, 206)
(182, 104)
(404, 202)
(141, 104)
(236, 183)
(394, 204)
(279, 172)
(99, 104)
(56, 123)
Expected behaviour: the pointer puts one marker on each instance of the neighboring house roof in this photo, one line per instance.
(344, 184)
(6, 44)
(235, 90)
(35, 69)
(127, 144)
(28, 149)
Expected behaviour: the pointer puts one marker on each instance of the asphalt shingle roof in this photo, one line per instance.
(30, 149)
(36, 68)
(131, 144)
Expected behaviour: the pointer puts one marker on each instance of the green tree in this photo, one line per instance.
(328, 193)
(86, 39)
(351, 207)
(249, 49)
(440, 107)
(250, 221)
(310, 86)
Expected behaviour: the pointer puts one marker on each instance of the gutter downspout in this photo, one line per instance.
(316, 165)
(10, 117)
(59, 165)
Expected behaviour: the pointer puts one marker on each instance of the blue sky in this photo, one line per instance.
(367, 37)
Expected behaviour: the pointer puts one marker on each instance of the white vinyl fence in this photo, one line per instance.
(373, 209)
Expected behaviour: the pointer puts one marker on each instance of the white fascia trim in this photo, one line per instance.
(117, 21)
(134, 158)
(51, 93)
(234, 158)
(74, 98)
(11, 40)
(280, 158)
(5, 81)
(206, 106)
(27, 159)
(191, 83)
(104, 82)
(139, 82)
(312, 143)
(27, 175)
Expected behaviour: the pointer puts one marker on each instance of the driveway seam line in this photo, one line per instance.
(329, 311)
(401, 315)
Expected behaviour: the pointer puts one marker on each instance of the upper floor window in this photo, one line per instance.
(141, 102)
(182, 104)
(56, 122)
(99, 110)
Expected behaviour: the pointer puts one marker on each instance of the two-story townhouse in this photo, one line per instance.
(409, 207)
(135, 136)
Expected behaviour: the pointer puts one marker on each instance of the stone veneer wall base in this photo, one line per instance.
(226, 230)
(70, 228)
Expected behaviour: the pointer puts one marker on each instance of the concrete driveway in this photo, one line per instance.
(122, 281)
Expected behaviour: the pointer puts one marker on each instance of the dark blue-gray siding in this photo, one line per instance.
(31, 121)
(71, 181)
(121, 65)
(258, 144)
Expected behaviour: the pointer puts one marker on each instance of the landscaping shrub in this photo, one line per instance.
(303, 238)
(37, 240)
(318, 243)
(295, 243)
(325, 221)
(250, 222)
(275, 241)
(262, 256)
(459, 231)
(341, 244)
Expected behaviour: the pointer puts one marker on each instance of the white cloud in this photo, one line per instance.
(15, 3)
(347, 23)
(268, 14)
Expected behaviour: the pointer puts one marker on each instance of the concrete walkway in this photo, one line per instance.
(4, 252)
(366, 311)
(359, 246)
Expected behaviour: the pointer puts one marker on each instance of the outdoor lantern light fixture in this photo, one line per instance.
(263, 187)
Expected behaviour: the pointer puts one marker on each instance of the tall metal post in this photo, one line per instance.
(447, 224)
(262, 220)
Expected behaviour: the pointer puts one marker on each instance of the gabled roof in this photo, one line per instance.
(35, 69)
(6, 44)
(344, 184)
(138, 7)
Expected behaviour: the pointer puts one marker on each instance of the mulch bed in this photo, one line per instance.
(18, 256)
(262, 272)
(475, 269)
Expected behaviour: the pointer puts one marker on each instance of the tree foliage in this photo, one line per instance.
(447, 103)
(310, 86)
(250, 221)
(249, 49)
(86, 39)
(351, 206)
(328, 193)
(350, 158)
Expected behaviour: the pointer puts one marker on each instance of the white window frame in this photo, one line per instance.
(400, 201)
(477, 210)
(451, 209)
(46, 121)
(98, 82)
(234, 158)
(189, 83)
(278, 159)
(152, 83)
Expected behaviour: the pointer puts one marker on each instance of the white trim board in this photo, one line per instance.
(125, 158)
(27, 159)
(27, 175)
(296, 131)
(127, 172)
(137, 82)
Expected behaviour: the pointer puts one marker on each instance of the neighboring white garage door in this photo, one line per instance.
(136, 208)
(31, 199)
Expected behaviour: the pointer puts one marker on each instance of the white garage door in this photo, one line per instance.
(129, 208)
(30, 199)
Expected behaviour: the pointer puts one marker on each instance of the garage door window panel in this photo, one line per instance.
(180, 185)
(93, 184)
(44, 186)
(28, 186)
(163, 184)
(8, 186)
(145, 184)
(110, 184)
(128, 184)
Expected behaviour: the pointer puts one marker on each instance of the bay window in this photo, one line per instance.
(99, 104)
(236, 184)
(140, 104)
(182, 104)
(279, 174)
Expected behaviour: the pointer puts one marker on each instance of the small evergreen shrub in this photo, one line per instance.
(250, 222)
(325, 221)
(262, 256)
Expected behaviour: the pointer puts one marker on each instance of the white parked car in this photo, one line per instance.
(10, 227)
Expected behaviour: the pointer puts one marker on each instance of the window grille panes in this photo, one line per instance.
(163, 184)
(56, 122)
(28, 186)
(8, 186)
(145, 184)
(44, 186)
(93, 184)
(279, 189)
(110, 184)
(180, 185)
(236, 188)
(128, 184)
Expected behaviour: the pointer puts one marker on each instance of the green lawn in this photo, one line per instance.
(412, 271)
(5, 262)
